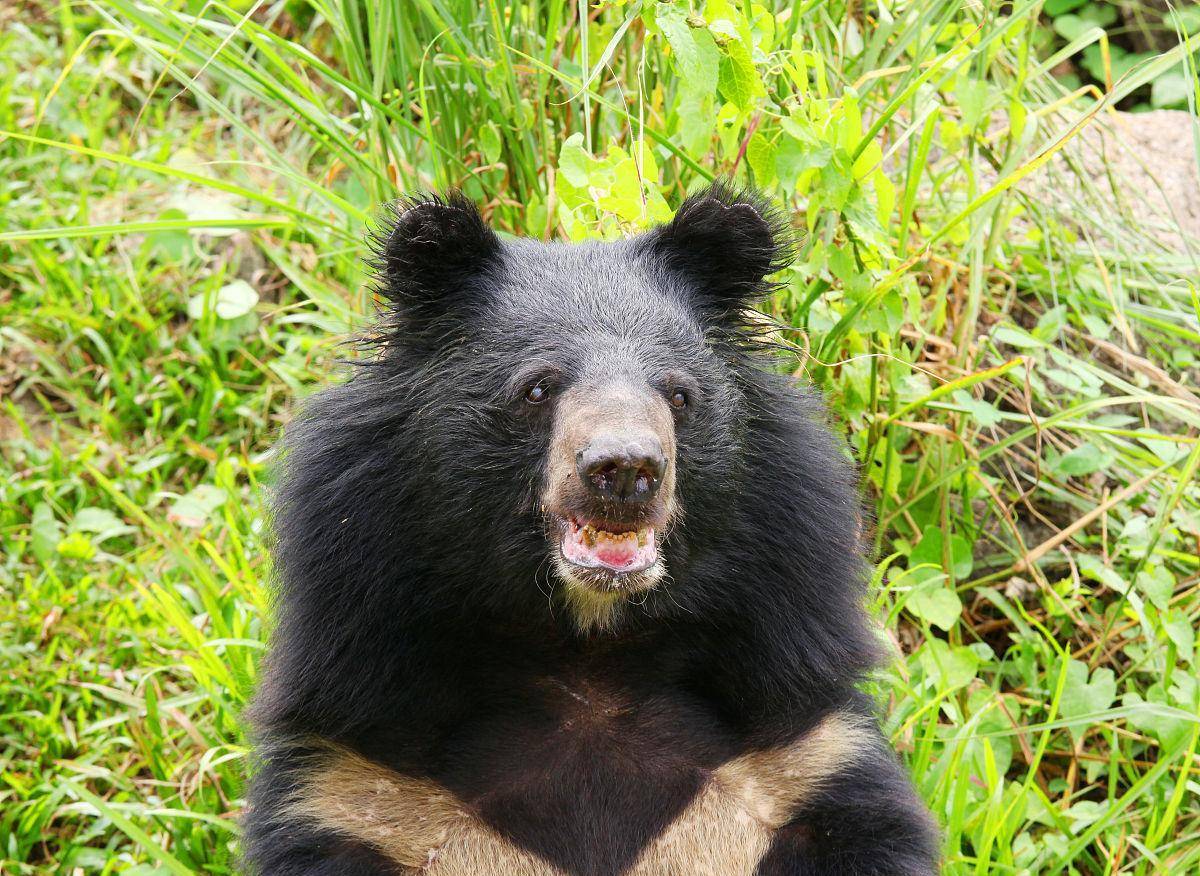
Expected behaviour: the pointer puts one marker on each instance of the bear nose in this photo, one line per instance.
(622, 470)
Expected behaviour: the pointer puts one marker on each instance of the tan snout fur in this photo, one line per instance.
(583, 413)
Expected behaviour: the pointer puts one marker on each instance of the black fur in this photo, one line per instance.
(864, 823)
(419, 622)
(727, 243)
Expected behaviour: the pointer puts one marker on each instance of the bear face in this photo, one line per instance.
(594, 380)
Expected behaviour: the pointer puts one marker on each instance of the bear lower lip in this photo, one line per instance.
(592, 548)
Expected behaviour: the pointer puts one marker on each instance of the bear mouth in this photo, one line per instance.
(619, 550)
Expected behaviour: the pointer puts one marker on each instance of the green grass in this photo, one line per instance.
(185, 188)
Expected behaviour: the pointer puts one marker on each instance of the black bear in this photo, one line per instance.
(570, 583)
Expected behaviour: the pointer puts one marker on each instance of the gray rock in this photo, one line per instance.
(1142, 165)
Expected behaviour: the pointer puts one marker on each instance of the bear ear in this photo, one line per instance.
(427, 247)
(727, 242)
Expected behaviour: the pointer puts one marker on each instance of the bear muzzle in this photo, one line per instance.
(610, 484)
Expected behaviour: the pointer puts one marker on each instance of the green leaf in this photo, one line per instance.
(885, 462)
(837, 180)
(972, 96)
(1083, 460)
(1091, 566)
(1157, 584)
(1120, 60)
(170, 245)
(801, 148)
(696, 56)
(574, 162)
(1170, 90)
(526, 114)
(739, 81)
(760, 152)
(861, 215)
(1082, 697)
(1058, 7)
(230, 302)
(45, 532)
(697, 121)
(1180, 631)
(1072, 26)
(1171, 731)
(1014, 337)
(949, 667)
(195, 507)
(886, 316)
(1050, 324)
(1086, 812)
(984, 413)
(490, 142)
(729, 128)
(1135, 534)
(1066, 379)
(149, 845)
(930, 550)
(1184, 357)
(936, 603)
(76, 546)
(101, 522)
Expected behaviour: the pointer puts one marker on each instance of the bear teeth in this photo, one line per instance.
(591, 536)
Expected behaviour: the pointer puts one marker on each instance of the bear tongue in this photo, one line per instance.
(620, 554)
(616, 553)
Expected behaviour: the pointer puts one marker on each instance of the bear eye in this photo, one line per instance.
(537, 393)
(679, 399)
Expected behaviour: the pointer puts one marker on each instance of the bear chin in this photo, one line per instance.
(597, 597)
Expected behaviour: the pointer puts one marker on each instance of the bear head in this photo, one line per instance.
(574, 435)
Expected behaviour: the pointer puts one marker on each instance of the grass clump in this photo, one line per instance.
(185, 188)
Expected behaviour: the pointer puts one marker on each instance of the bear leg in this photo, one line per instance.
(866, 821)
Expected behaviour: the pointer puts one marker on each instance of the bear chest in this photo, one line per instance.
(580, 780)
(585, 775)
